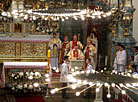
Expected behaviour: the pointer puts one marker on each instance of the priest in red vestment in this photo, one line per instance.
(64, 49)
(90, 52)
(73, 42)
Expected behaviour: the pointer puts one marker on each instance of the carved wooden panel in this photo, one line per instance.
(7, 49)
(18, 50)
(33, 49)
(8, 28)
(1, 28)
(23, 51)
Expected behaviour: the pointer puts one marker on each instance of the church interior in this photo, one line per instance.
(68, 51)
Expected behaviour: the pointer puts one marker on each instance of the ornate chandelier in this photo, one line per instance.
(58, 14)
(110, 79)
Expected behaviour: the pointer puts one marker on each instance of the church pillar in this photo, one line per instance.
(23, 27)
(84, 28)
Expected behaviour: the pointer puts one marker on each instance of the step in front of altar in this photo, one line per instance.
(58, 84)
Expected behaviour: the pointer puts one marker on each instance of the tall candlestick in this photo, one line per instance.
(106, 60)
(48, 60)
(48, 55)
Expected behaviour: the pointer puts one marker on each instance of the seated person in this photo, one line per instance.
(133, 67)
(131, 62)
(75, 54)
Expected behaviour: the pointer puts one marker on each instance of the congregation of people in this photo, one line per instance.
(120, 61)
(63, 52)
(76, 51)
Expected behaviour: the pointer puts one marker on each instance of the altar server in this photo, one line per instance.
(64, 75)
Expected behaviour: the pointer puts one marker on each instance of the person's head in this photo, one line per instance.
(118, 46)
(65, 38)
(76, 46)
(66, 58)
(89, 42)
(122, 47)
(136, 49)
(54, 35)
(131, 58)
(75, 37)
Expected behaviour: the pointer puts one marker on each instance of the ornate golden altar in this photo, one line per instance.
(23, 49)
(76, 64)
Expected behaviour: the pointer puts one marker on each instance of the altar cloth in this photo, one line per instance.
(21, 65)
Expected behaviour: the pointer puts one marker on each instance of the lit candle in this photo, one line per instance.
(48, 60)
(48, 55)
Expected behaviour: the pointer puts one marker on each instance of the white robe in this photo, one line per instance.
(120, 61)
(64, 72)
(136, 61)
(89, 67)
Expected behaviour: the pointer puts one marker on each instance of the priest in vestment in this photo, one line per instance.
(54, 45)
(73, 42)
(64, 50)
(75, 54)
(90, 52)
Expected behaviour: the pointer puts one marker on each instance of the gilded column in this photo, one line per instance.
(18, 50)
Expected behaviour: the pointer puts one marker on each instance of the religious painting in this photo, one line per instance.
(17, 28)
(26, 28)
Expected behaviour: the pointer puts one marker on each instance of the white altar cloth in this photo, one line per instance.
(21, 65)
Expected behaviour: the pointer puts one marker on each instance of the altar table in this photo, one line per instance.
(21, 65)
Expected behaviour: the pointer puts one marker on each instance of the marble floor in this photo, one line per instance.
(6, 97)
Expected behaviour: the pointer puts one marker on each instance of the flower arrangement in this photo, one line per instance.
(26, 87)
(17, 75)
(26, 80)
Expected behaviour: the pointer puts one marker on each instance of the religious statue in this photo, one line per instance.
(33, 28)
(90, 52)
(54, 45)
(64, 50)
(73, 42)
(75, 54)
(1, 28)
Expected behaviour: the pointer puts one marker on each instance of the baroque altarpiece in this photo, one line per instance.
(26, 39)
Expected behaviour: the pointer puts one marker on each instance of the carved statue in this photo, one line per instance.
(1, 28)
(33, 28)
